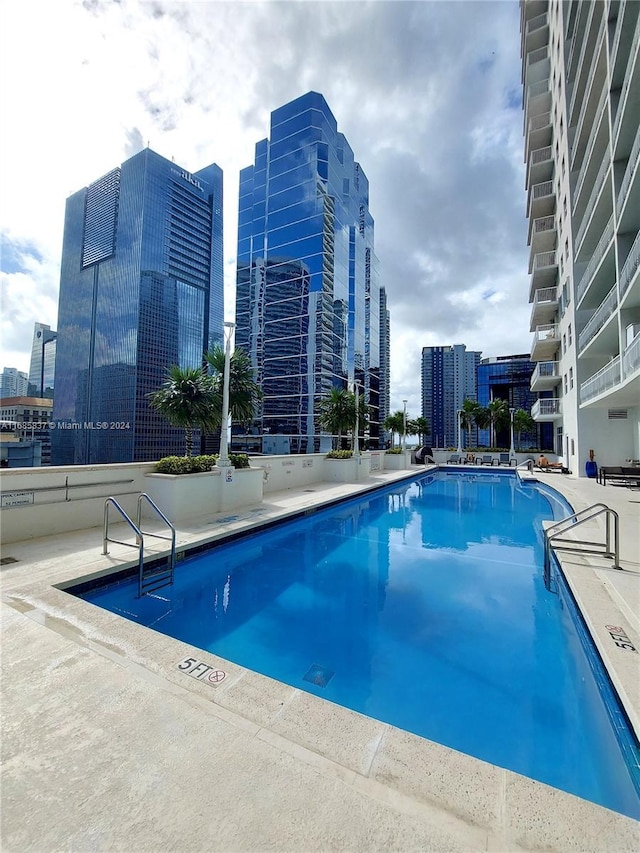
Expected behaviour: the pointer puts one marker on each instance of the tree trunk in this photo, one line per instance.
(188, 438)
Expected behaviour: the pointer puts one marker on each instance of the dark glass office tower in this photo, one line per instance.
(448, 378)
(140, 290)
(308, 295)
(43, 362)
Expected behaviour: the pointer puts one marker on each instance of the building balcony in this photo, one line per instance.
(546, 341)
(597, 211)
(598, 253)
(626, 115)
(599, 319)
(545, 376)
(541, 201)
(628, 200)
(540, 166)
(617, 384)
(629, 279)
(537, 66)
(542, 236)
(544, 272)
(537, 122)
(547, 409)
(545, 306)
(535, 33)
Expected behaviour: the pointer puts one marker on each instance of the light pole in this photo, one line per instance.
(356, 442)
(512, 451)
(404, 426)
(459, 432)
(223, 459)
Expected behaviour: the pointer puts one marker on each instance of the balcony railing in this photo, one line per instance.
(601, 381)
(545, 294)
(549, 333)
(537, 23)
(592, 141)
(545, 370)
(541, 155)
(593, 198)
(589, 83)
(630, 266)
(538, 55)
(598, 254)
(599, 318)
(631, 358)
(538, 192)
(548, 407)
(544, 119)
(625, 86)
(628, 173)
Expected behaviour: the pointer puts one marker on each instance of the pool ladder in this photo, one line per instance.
(150, 578)
(610, 548)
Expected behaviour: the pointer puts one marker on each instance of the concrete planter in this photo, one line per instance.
(356, 469)
(397, 461)
(184, 497)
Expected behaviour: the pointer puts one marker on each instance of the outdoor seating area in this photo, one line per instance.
(620, 476)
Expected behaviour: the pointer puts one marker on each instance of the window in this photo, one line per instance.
(569, 330)
(564, 343)
(566, 249)
(566, 385)
(571, 377)
(573, 448)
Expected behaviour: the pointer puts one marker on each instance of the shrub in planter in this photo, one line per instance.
(197, 464)
(396, 451)
(185, 464)
(339, 454)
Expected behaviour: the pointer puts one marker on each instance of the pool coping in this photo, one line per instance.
(491, 808)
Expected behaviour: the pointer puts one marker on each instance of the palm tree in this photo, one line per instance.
(419, 427)
(186, 399)
(244, 392)
(470, 409)
(337, 413)
(395, 424)
(522, 422)
(498, 415)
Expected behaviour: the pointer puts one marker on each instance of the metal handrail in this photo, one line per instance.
(145, 497)
(602, 549)
(526, 463)
(139, 536)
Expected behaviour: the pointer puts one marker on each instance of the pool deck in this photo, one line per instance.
(107, 745)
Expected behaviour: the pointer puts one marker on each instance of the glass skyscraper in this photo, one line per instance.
(43, 362)
(308, 294)
(141, 289)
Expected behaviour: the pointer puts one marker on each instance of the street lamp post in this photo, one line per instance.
(404, 426)
(223, 459)
(356, 442)
(512, 451)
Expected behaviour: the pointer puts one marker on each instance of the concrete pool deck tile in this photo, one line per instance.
(539, 817)
(436, 774)
(344, 736)
(256, 697)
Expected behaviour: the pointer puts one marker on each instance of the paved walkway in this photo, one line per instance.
(106, 745)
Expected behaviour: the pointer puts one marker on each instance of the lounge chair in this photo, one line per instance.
(505, 460)
(487, 459)
(454, 459)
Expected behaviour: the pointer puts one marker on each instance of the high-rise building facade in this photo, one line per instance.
(581, 100)
(43, 362)
(140, 290)
(449, 376)
(385, 359)
(13, 382)
(508, 378)
(308, 295)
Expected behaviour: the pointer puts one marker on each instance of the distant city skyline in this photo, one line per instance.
(428, 94)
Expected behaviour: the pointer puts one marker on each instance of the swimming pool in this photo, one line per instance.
(422, 605)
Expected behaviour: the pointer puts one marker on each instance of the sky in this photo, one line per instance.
(428, 95)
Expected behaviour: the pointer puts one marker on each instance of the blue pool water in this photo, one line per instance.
(422, 605)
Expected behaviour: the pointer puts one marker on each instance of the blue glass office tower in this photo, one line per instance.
(308, 294)
(140, 290)
(43, 362)
(508, 377)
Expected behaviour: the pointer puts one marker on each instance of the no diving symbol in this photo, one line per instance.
(216, 676)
